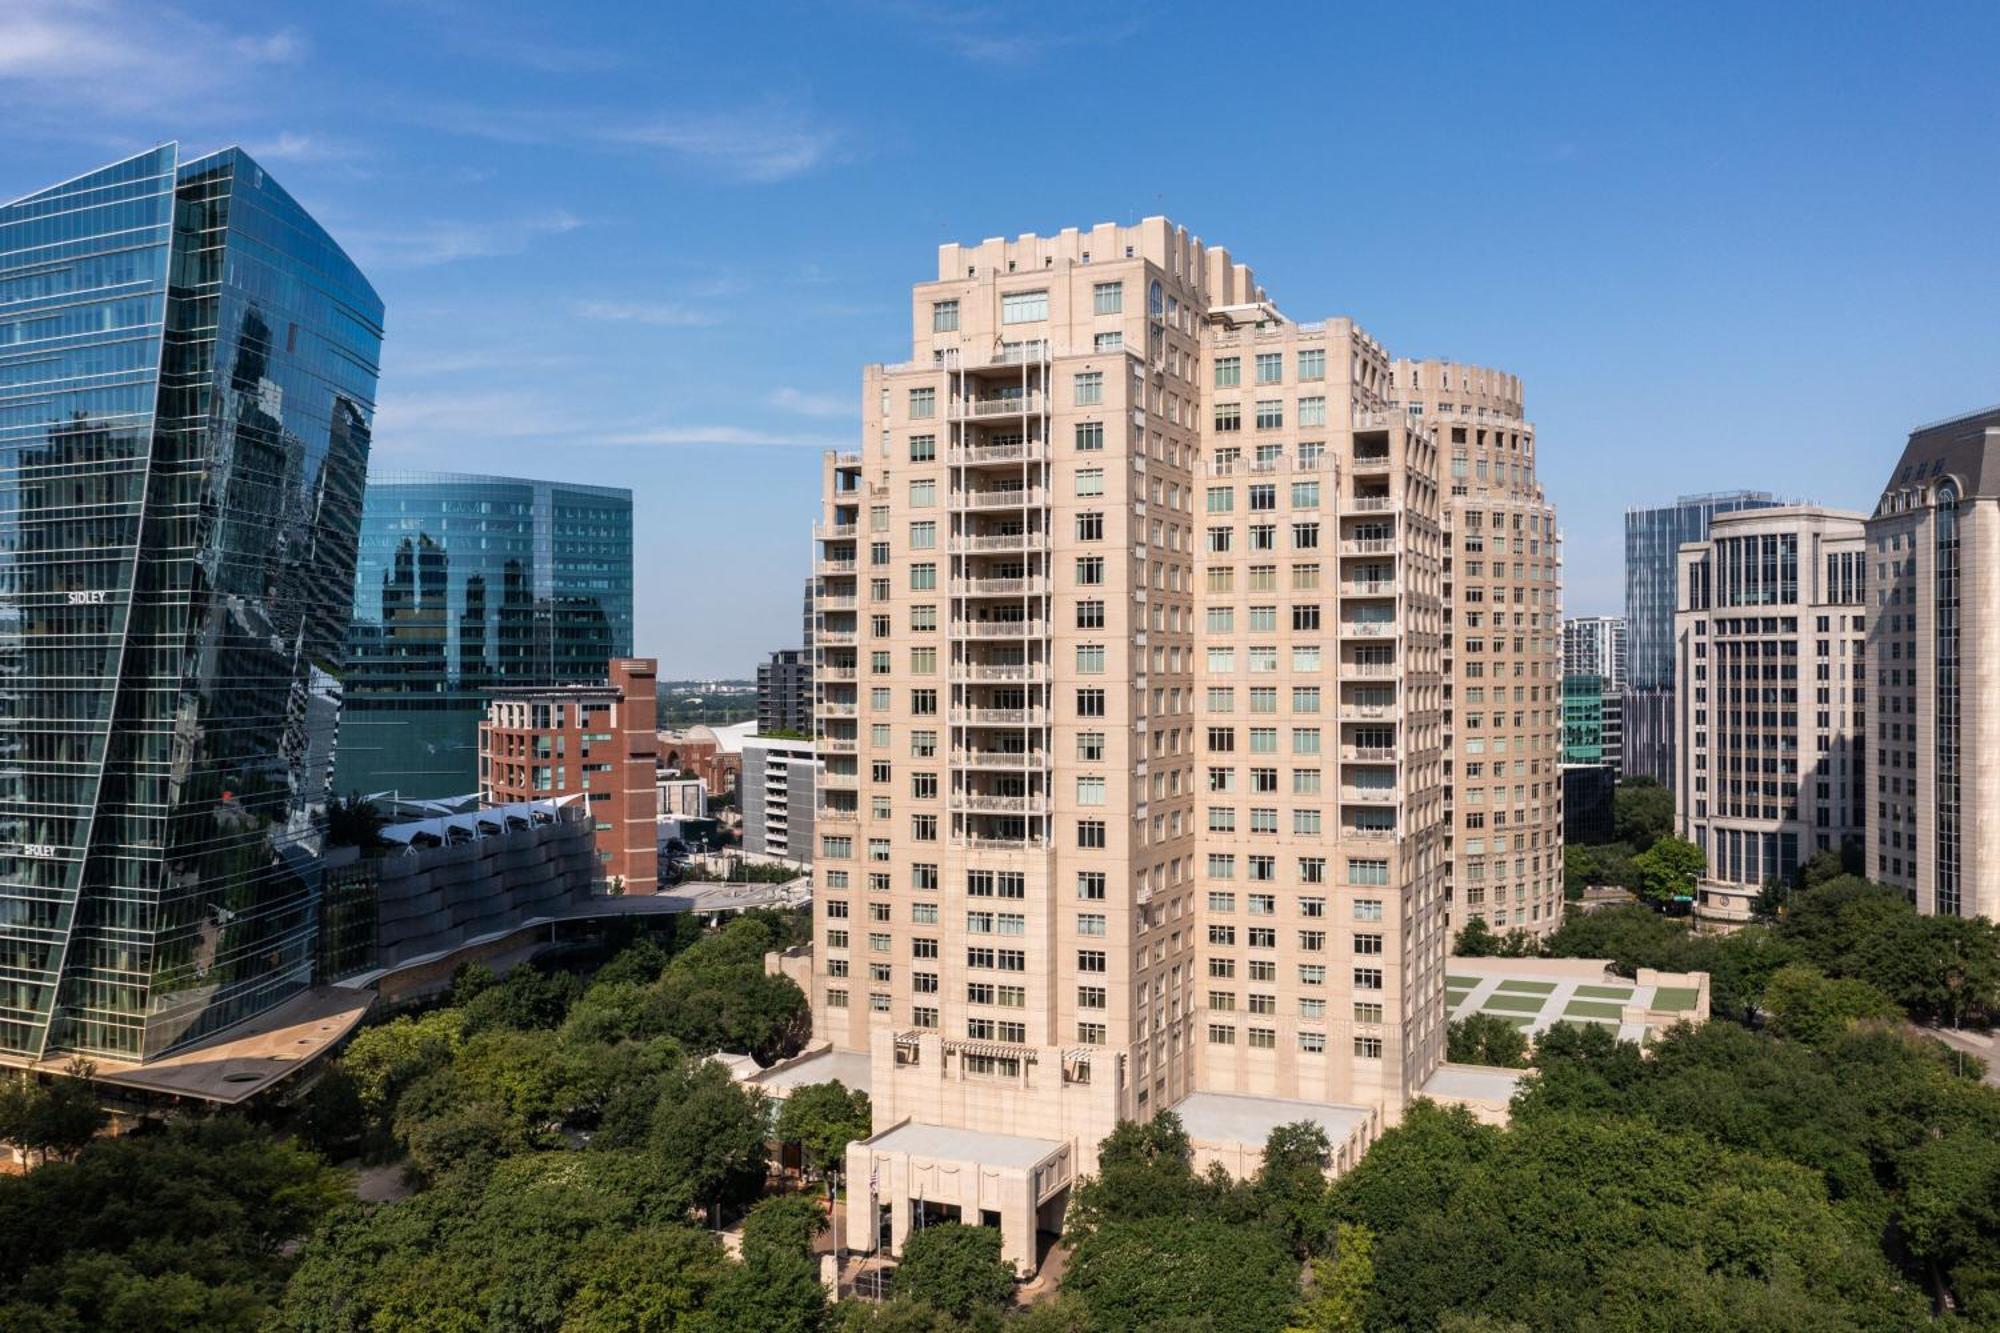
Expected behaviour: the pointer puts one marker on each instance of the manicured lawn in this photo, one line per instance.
(1518, 1004)
(1527, 987)
(1675, 997)
(1592, 1009)
(1604, 993)
(1466, 982)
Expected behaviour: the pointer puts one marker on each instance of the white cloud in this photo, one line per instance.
(290, 147)
(789, 399)
(279, 48)
(757, 145)
(427, 244)
(662, 313)
(82, 63)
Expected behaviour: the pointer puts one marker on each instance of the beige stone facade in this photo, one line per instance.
(1770, 637)
(1502, 648)
(1130, 678)
(1934, 601)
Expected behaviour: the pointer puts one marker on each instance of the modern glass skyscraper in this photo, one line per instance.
(187, 376)
(465, 583)
(1653, 539)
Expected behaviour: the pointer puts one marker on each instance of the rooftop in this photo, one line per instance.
(850, 1068)
(1223, 1117)
(1473, 1083)
(963, 1145)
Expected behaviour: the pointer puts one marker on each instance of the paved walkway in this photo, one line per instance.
(1514, 998)
(1985, 1045)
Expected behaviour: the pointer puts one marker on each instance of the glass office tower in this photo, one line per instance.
(187, 376)
(1653, 539)
(465, 583)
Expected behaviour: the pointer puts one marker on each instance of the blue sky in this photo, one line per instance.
(652, 245)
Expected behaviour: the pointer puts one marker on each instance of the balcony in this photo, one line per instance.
(986, 455)
(839, 602)
(836, 532)
(1367, 629)
(840, 745)
(1000, 629)
(1376, 669)
(836, 673)
(1369, 463)
(979, 673)
(1366, 712)
(836, 814)
(1368, 588)
(1368, 795)
(1368, 754)
(1359, 834)
(1005, 543)
(1001, 842)
(843, 781)
(836, 567)
(998, 717)
(1023, 587)
(1005, 760)
(831, 709)
(1022, 498)
(982, 803)
(998, 405)
(1369, 546)
(1368, 504)
(834, 638)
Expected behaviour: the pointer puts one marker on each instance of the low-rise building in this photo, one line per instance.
(593, 742)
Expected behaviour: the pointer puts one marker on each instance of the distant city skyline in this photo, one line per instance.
(1712, 271)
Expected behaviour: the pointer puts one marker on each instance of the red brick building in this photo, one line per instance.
(595, 742)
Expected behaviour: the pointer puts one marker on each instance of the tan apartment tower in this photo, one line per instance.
(1130, 694)
(1934, 569)
(1771, 641)
(1502, 648)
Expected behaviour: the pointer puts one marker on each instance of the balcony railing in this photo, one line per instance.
(978, 455)
(833, 814)
(1000, 629)
(1367, 629)
(1369, 546)
(832, 709)
(1368, 795)
(1368, 668)
(1000, 759)
(1366, 712)
(836, 673)
(1369, 754)
(1025, 497)
(839, 602)
(835, 566)
(999, 405)
(1369, 834)
(1369, 463)
(835, 532)
(1368, 588)
(979, 673)
(835, 638)
(1005, 543)
(980, 803)
(840, 745)
(1024, 842)
(1023, 587)
(833, 778)
(998, 717)
(1368, 504)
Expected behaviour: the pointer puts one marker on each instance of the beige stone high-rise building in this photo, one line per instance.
(1934, 601)
(1502, 648)
(1770, 644)
(1131, 692)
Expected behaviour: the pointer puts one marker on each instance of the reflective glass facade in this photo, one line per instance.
(1653, 539)
(187, 375)
(463, 584)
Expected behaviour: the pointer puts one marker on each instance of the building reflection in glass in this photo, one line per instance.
(465, 583)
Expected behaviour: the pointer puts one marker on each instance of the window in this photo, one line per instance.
(1090, 615)
(1312, 411)
(1228, 416)
(923, 536)
(923, 494)
(1263, 498)
(1089, 388)
(1271, 414)
(1228, 372)
(1090, 703)
(923, 577)
(1090, 570)
(944, 317)
(1089, 436)
(1368, 1048)
(1090, 659)
(1312, 363)
(1090, 481)
(923, 404)
(1024, 307)
(923, 448)
(1219, 1034)
(1090, 791)
(1108, 298)
(1270, 367)
(1090, 836)
(1313, 1043)
(1090, 885)
(1090, 526)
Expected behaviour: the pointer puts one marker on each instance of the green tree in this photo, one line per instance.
(1809, 1007)
(653, 1280)
(823, 1118)
(1642, 813)
(956, 1269)
(708, 1138)
(1291, 1188)
(1486, 1039)
(1476, 939)
(355, 821)
(784, 1222)
(1183, 1273)
(55, 1120)
(1341, 1285)
(1580, 871)
(1669, 868)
